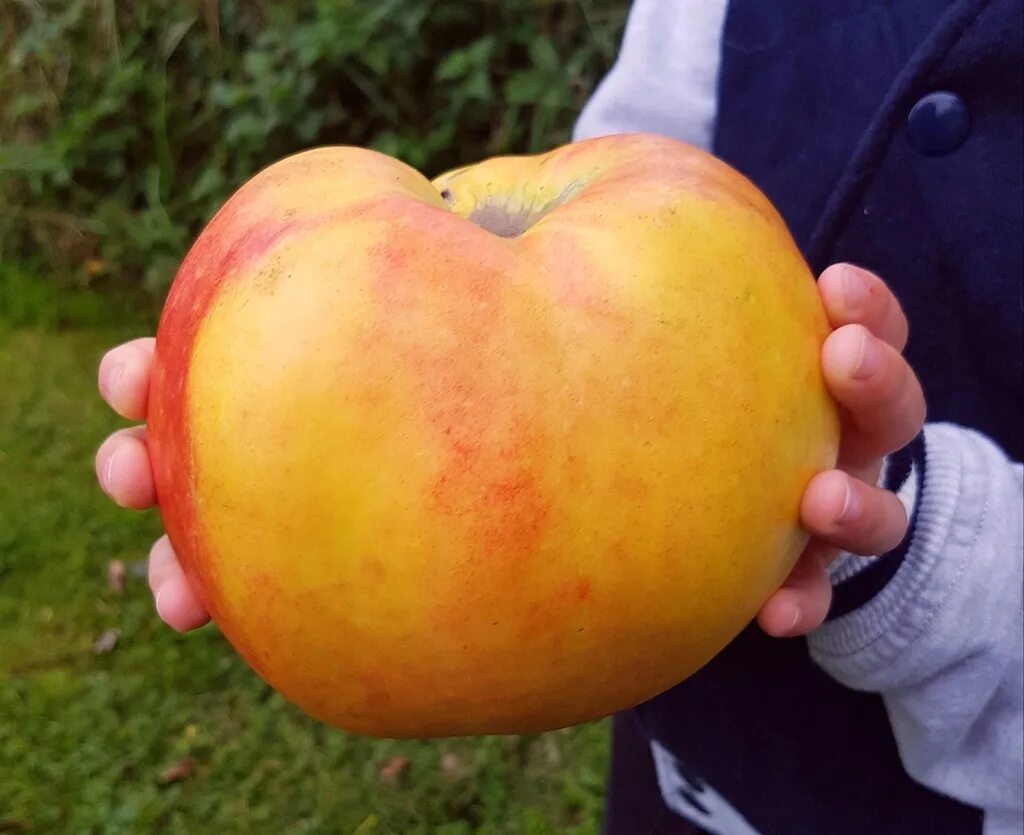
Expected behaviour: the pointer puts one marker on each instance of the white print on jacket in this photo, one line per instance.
(689, 797)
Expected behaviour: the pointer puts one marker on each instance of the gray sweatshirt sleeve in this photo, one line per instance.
(943, 641)
(666, 77)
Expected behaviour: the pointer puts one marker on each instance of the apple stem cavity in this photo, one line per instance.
(510, 215)
(504, 221)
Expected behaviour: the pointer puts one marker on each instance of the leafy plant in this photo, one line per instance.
(124, 125)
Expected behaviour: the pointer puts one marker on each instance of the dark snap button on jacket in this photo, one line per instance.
(938, 123)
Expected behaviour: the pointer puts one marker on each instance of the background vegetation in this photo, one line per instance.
(123, 125)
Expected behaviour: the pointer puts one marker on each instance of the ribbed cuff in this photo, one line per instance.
(857, 580)
(899, 610)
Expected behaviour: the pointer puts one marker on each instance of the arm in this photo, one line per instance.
(942, 639)
(665, 80)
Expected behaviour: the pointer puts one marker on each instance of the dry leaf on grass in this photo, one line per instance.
(181, 770)
(106, 641)
(391, 771)
(115, 576)
(451, 765)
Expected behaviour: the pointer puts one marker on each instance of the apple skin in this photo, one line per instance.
(433, 481)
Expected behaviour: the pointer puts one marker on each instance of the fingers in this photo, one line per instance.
(850, 515)
(125, 474)
(177, 603)
(802, 602)
(122, 462)
(124, 377)
(878, 391)
(883, 409)
(124, 471)
(852, 295)
(841, 513)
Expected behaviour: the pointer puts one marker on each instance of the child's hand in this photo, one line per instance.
(125, 474)
(883, 409)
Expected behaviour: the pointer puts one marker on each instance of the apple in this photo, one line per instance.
(499, 453)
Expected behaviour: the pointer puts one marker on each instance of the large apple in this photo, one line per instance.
(499, 453)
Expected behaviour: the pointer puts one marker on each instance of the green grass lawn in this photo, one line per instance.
(87, 737)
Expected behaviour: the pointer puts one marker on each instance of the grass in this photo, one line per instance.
(86, 737)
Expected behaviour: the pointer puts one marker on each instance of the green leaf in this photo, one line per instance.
(526, 87)
(258, 64)
(466, 61)
(544, 55)
(210, 181)
(24, 159)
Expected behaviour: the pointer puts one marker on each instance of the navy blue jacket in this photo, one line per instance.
(888, 134)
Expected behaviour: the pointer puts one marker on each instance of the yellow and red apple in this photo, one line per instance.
(499, 453)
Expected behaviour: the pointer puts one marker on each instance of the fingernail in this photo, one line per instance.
(855, 290)
(156, 604)
(108, 385)
(796, 619)
(869, 358)
(107, 470)
(851, 504)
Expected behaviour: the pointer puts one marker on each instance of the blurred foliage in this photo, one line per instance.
(123, 125)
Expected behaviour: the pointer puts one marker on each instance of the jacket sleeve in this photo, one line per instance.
(940, 637)
(665, 80)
